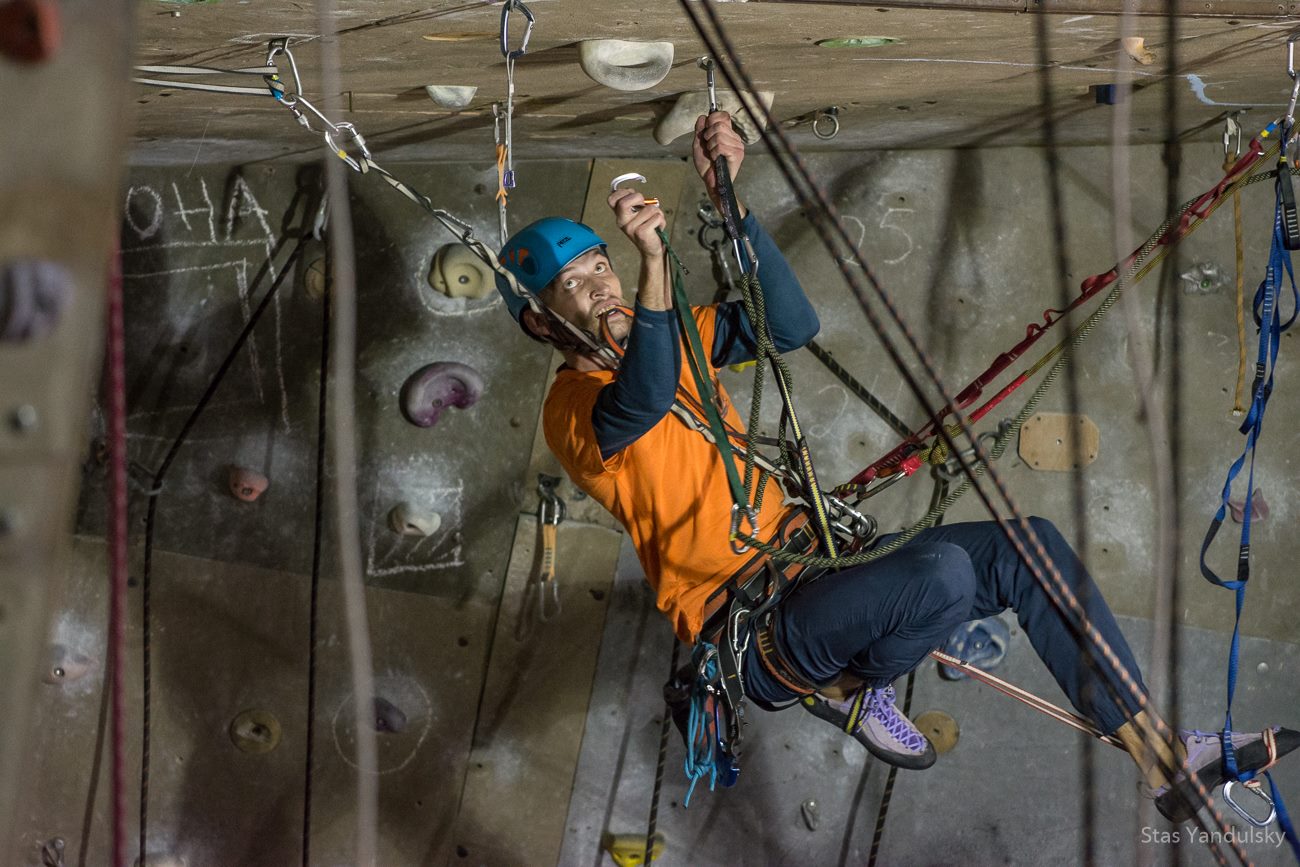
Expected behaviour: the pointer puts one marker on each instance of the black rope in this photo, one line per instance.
(860, 391)
(317, 546)
(888, 794)
(664, 729)
(151, 519)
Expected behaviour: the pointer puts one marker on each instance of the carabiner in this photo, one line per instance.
(341, 153)
(1231, 135)
(1242, 812)
(1291, 71)
(280, 45)
(550, 508)
(736, 514)
(506, 9)
(630, 176)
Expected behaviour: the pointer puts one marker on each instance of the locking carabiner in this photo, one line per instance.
(506, 8)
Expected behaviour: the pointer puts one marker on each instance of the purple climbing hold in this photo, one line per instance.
(33, 293)
(1258, 508)
(434, 387)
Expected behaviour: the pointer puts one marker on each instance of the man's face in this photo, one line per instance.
(584, 290)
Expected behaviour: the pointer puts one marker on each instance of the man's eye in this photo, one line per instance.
(570, 283)
(600, 267)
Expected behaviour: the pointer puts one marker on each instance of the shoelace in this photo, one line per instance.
(880, 704)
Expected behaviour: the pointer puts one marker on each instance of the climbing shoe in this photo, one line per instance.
(873, 720)
(1180, 801)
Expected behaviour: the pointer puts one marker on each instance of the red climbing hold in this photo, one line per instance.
(246, 484)
(434, 387)
(30, 31)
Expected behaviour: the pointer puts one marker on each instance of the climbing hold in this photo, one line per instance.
(808, 809)
(33, 293)
(255, 731)
(246, 484)
(52, 852)
(941, 729)
(1203, 278)
(1258, 508)
(1135, 48)
(982, 643)
(315, 279)
(405, 519)
(66, 666)
(432, 388)
(1059, 441)
(388, 717)
(30, 31)
(626, 65)
(451, 95)
(628, 850)
(457, 273)
(681, 118)
(857, 42)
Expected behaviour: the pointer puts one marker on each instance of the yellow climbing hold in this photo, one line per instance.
(628, 850)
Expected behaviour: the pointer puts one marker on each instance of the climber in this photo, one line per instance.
(835, 644)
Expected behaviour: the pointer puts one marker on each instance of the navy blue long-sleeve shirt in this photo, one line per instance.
(647, 379)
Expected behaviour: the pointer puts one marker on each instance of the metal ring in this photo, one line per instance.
(822, 116)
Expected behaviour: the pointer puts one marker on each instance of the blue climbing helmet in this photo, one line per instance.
(537, 252)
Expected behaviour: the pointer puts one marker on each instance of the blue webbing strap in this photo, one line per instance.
(1268, 317)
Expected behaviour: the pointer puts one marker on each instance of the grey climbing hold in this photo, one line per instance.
(810, 815)
(434, 387)
(246, 484)
(457, 273)
(625, 65)
(255, 731)
(451, 95)
(33, 293)
(409, 521)
(66, 666)
(388, 717)
(681, 119)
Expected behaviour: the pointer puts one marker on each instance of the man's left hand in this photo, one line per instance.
(715, 137)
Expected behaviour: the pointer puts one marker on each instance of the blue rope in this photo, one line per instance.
(702, 726)
(1268, 317)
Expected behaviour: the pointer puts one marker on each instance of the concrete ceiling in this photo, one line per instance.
(965, 75)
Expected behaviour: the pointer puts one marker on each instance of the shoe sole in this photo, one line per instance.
(1182, 801)
(906, 761)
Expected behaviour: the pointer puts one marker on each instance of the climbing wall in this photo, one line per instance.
(58, 191)
(477, 754)
(202, 246)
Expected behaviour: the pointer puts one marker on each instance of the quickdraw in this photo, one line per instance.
(505, 117)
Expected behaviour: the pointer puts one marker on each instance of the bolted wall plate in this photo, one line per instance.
(255, 731)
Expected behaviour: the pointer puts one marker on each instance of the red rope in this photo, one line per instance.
(117, 544)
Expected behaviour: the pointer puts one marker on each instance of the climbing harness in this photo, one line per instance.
(505, 117)
(1268, 316)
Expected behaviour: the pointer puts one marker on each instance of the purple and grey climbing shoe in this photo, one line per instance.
(870, 716)
(1180, 801)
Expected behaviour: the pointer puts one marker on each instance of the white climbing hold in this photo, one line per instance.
(681, 119)
(457, 273)
(451, 95)
(1135, 47)
(625, 65)
(409, 521)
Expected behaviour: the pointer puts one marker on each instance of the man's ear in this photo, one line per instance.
(536, 325)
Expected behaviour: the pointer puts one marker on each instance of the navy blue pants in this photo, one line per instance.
(878, 621)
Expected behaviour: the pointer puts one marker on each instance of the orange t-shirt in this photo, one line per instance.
(668, 489)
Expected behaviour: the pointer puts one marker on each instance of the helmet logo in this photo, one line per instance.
(566, 239)
(522, 259)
